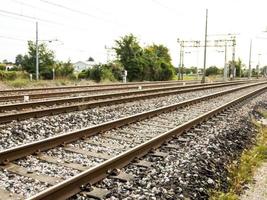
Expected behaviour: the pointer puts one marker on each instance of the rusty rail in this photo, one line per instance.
(73, 185)
(22, 115)
(27, 149)
(65, 93)
(97, 86)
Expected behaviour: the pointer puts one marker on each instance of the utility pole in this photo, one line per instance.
(258, 66)
(181, 60)
(205, 48)
(249, 62)
(37, 54)
(233, 69)
(225, 63)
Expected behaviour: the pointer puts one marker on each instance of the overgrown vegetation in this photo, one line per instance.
(46, 62)
(241, 172)
(152, 63)
(103, 72)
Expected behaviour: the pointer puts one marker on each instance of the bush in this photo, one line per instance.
(7, 75)
(84, 74)
(106, 74)
(2, 66)
(167, 72)
(95, 73)
(213, 70)
(19, 83)
(64, 69)
(47, 73)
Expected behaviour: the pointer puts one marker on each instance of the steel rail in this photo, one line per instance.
(45, 144)
(79, 90)
(65, 93)
(50, 102)
(93, 175)
(97, 85)
(22, 115)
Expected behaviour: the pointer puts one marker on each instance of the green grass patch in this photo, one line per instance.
(241, 172)
(18, 83)
(264, 113)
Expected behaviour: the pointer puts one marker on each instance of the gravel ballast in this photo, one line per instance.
(176, 175)
(197, 166)
(18, 133)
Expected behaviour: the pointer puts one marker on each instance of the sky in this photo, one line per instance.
(85, 28)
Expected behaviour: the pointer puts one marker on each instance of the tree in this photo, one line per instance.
(157, 63)
(213, 70)
(264, 70)
(239, 67)
(19, 60)
(28, 61)
(90, 59)
(130, 54)
(64, 69)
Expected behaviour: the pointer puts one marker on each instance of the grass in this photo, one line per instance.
(194, 78)
(18, 83)
(22, 83)
(241, 172)
(264, 113)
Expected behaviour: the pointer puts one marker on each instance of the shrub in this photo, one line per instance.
(106, 74)
(19, 83)
(2, 66)
(83, 74)
(7, 75)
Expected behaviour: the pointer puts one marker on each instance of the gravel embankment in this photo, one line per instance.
(196, 166)
(63, 96)
(18, 133)
(164, 176)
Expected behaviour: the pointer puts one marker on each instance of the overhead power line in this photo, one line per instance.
(13, 38)
(79, 12)
(32, 6)
(29, 17)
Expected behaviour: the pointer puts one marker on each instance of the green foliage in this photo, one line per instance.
(106, 75)
(28, 61)
(84, 74)
(157, 63)
(130, 54)
(190, 70)
(7, 75)
(224, 196)
(151, 63)
(116, 69)
(90, 59)
(64, 69)
(102, 72)
(2, 66)
(95, 73)
(241, 172)
(213, 70)
(19, 83)
(264, 70)
(239, 67)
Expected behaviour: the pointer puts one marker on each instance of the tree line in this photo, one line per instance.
(150, 63)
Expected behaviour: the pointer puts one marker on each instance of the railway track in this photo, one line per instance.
(80, 92)
(154, 83)
(58, 106)
(18, 95)
(120, 142)
(22, 132)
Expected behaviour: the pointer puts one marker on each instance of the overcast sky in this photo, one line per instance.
(84, 27)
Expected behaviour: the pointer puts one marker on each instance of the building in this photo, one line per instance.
(81, 65)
